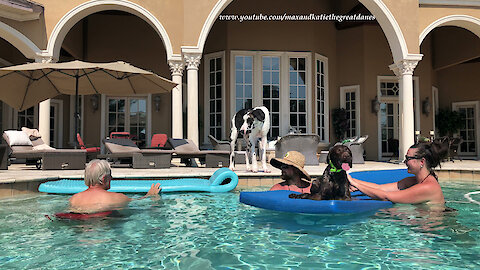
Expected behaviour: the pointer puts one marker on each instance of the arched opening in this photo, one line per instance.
(300, 70)
(114, 35)
(451, 70)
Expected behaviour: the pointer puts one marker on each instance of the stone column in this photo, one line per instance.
(176, 67)
(193, 61)
(44, 109)
(404, 71)
(44, 120)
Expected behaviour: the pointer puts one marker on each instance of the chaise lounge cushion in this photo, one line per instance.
(32, 133)
(17, 138)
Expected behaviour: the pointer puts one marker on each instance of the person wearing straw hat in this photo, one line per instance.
(292, 166)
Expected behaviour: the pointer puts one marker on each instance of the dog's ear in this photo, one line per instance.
(351, 158)
(259, 114)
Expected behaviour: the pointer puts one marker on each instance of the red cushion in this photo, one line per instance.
(159, 140)
(92, 149)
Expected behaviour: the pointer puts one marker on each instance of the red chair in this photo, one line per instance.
(91, 151)
(120, 135)
(159, 140)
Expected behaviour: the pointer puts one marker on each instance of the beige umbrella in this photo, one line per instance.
(26, 85)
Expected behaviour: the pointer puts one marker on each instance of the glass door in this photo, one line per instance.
(389, 123)
(128, 114)
(467, 131)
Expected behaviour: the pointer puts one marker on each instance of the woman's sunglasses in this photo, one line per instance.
(408, 158)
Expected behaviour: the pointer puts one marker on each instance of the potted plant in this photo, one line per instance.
(340, 123)
(448, 122)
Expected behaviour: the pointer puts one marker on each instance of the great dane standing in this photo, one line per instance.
(252, 124)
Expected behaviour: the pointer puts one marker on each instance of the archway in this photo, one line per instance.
(85, 9)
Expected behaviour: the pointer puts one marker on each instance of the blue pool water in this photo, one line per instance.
(215, 231)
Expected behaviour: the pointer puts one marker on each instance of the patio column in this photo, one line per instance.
(404, 71)
(193, 61)
(176, 67)
(44, 108)
(44, 120)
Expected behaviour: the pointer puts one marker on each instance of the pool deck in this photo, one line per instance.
(20, 179)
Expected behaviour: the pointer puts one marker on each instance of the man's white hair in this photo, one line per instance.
(95, 171)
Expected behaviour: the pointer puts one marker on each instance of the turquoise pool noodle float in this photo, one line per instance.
(213, 184)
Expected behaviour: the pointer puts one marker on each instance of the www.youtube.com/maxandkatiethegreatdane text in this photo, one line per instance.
(296, 17)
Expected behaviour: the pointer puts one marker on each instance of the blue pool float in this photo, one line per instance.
(222, 180)
(278, 200)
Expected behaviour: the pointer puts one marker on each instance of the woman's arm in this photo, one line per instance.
(415, 194)
(384, 187)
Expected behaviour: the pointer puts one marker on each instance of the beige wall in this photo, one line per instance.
(406, 14)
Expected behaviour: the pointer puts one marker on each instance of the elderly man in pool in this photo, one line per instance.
(97, 198)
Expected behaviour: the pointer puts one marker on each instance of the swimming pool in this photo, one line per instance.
(202, 231)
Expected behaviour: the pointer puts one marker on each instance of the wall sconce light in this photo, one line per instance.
(156, 101)
(426, 106)
(375, 105)
(94, 102)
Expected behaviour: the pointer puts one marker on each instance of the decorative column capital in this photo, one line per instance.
(192, 60)
(176, 67)
(44, 57)
(406, 66)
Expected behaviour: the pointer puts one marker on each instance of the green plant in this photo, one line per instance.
(448, 122)
(340, 123)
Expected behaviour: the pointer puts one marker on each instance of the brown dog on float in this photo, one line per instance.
(333, 184)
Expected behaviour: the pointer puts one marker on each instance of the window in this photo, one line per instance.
(214, 95)
(350, 101)
(321, 92)
(243, 82)
(298, 94)
(26, 118)
(271, 91)
(280, 81)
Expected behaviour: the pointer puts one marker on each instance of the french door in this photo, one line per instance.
(389, 125)
(128, 114)
(469, 129)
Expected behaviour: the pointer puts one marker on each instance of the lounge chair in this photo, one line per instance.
(92, 152)
(36, 152)
(187, 149)
(304, 143)
(125, 149)
(219, 145)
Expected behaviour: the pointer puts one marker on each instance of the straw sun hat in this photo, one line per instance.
(292, 158)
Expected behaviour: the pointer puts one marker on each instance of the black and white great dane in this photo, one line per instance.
(251, 124)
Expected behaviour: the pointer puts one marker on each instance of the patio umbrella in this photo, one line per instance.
(23, 86)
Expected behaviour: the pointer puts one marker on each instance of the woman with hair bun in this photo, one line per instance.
(423, 187)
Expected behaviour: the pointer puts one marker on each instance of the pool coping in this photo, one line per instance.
(23, 180)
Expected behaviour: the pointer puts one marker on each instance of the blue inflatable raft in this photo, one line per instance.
(222, 180)
(279, 201)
